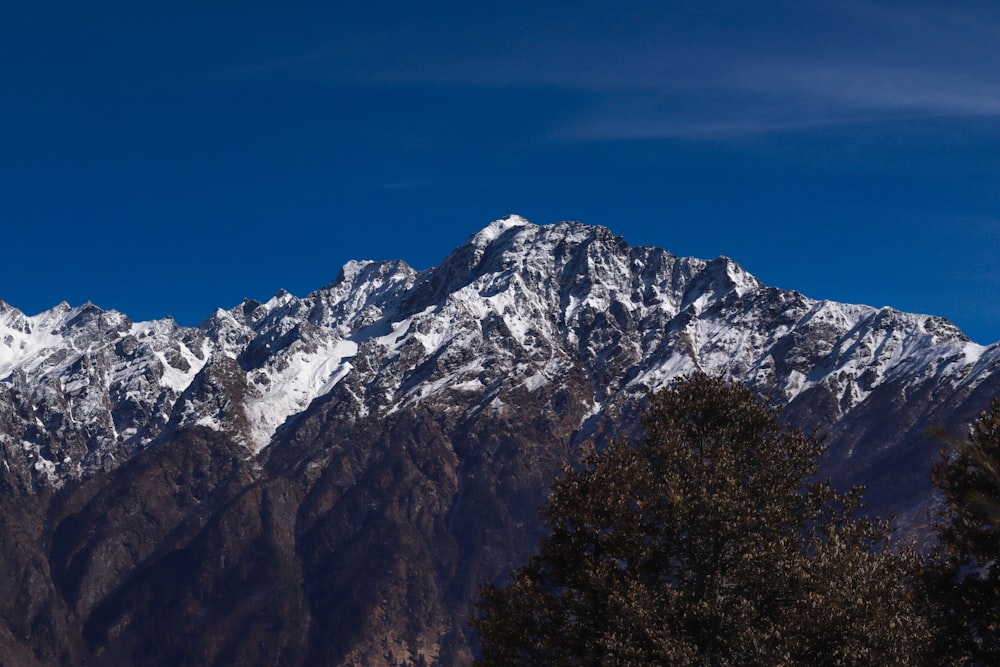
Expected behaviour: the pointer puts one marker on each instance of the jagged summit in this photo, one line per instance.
(518, 304)
(497, 228)
(378, 447)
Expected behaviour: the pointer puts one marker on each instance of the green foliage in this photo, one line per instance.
(705, 544)
(964, 579)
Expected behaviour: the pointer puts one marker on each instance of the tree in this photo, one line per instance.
(704, 543)
(964, 579)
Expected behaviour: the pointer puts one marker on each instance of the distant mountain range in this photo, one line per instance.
(328, 479)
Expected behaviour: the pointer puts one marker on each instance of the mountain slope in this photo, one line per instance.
(333, 475)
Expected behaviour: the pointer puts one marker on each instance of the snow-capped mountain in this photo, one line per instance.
(407, 423)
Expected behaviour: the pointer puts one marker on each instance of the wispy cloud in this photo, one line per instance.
(871, 63)
(406, 185)
(672, 72)
(275, 65)
(847, 86)
(768, 98)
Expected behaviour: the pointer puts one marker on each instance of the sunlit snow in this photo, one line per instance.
(520, 308)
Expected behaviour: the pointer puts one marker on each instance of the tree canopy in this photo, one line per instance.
(964, 580)
(706, 542)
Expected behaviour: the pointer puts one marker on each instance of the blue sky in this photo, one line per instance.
(169, 158)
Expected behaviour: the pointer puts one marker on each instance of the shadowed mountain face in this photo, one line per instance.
(328, 479)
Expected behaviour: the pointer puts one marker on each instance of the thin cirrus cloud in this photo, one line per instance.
(922, 89)
(764, 98)
(869, 62)
(658, 75)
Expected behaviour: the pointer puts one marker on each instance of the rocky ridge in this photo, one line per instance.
(378, 447)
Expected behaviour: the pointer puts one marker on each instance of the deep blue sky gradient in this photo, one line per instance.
(170, 158)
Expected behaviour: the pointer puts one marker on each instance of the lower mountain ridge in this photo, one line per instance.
(328, 479)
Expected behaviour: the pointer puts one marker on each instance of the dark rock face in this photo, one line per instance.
(328, 480)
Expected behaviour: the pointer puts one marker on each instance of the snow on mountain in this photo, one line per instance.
(518, 305)
(332, 476)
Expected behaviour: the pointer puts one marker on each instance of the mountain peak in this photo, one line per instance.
(431, 409)
(495, 229)
(542, 301)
